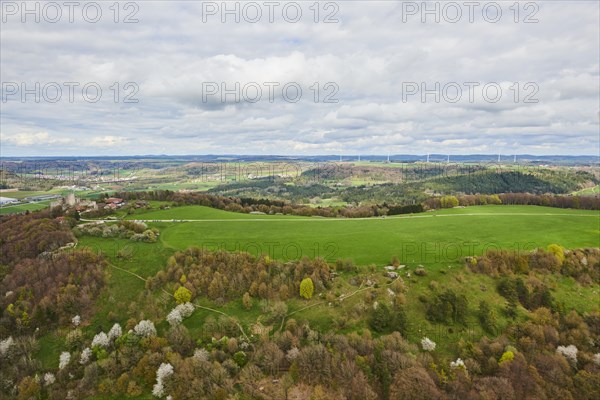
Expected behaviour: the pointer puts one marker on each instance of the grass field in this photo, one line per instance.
(24, 207)
(436, 237)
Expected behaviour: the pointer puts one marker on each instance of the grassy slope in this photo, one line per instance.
(373, 240)
(588, 191)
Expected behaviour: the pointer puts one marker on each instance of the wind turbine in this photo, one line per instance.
(498, 157)
(515, 159)
(427, 157)
(448, 160)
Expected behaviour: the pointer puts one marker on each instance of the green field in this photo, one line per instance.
(434, 237)
(24, 207)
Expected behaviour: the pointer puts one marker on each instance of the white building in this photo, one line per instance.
(7, 200)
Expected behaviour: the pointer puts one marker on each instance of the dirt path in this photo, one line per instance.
(195, 304)
(317, 219)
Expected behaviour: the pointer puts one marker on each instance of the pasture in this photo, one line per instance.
(439, 237)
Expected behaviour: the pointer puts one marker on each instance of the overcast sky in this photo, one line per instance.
(371, 60)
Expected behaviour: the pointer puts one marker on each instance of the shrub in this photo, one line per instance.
(307, 288)
(558, 251)
(182, 295)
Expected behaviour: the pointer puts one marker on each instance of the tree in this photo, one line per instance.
(182, 295)
(447, 305)
(511, 309)
(407, 380)
(247, 301)
(486, 316)
(145, 328)
(381, 318)
(307, 288)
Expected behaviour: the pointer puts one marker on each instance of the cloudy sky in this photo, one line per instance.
(376, 77)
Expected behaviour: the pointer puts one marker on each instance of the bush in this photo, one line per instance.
(183, 295)
(307, 288)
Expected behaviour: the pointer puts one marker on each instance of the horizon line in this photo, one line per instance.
(337, 155)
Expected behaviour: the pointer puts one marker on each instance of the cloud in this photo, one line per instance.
(33, 139)
(352, 75)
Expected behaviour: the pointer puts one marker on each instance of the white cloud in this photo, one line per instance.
(170, 53)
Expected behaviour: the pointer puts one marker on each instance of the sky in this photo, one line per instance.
(299, 78)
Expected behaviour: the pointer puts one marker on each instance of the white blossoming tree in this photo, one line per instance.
(5, 345)
(101, 340)
(162, 373)
(569, 352)
(115, 332)
(179, 313)
(428, 344)
(174, 317)
(86, 355)
(459, 363)
(292, 354)
(49, 378)
(596, 359)
(145, 328)
(76, 320)
(64, 359)
(201, 354)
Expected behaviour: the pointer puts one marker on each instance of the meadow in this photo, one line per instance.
(11, 209)
(434, 237)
